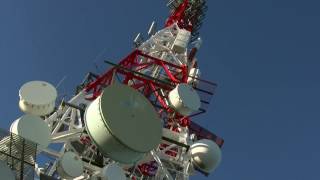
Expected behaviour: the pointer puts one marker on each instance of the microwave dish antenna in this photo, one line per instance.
(37, 98)
(32, 128)
(123, 124)
(113, 172)
(70, 165)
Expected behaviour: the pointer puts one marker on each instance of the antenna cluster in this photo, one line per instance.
(134, 121)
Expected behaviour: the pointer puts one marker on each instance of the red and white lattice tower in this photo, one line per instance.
(135, 120)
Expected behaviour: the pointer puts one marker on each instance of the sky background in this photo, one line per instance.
(263, 54)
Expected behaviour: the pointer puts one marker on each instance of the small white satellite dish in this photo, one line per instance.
(32, 128)
(5, 172)
(37, 98)
(123, 124)
(184, 99)
(206, 155)
(70, 166)
(113, 172)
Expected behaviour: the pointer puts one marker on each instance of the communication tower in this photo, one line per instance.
(134, 121)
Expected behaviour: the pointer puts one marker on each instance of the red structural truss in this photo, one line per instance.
(129, 71)
(131, 67)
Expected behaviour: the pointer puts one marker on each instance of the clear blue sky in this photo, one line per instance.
(263, 54)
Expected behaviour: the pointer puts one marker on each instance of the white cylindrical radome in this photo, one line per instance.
(206, 155)
(5, 171)
(184, 99)
(123, 124)
(32, 128)
(194, 75)
(113, 172)
(37, 98)
(70, 166)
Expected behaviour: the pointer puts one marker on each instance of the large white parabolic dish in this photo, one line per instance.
(5, 172)
(123, 124)
(37, 98)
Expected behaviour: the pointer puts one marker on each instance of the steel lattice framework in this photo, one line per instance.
(153, 69)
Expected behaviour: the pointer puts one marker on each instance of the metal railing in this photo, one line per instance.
(19, 154)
